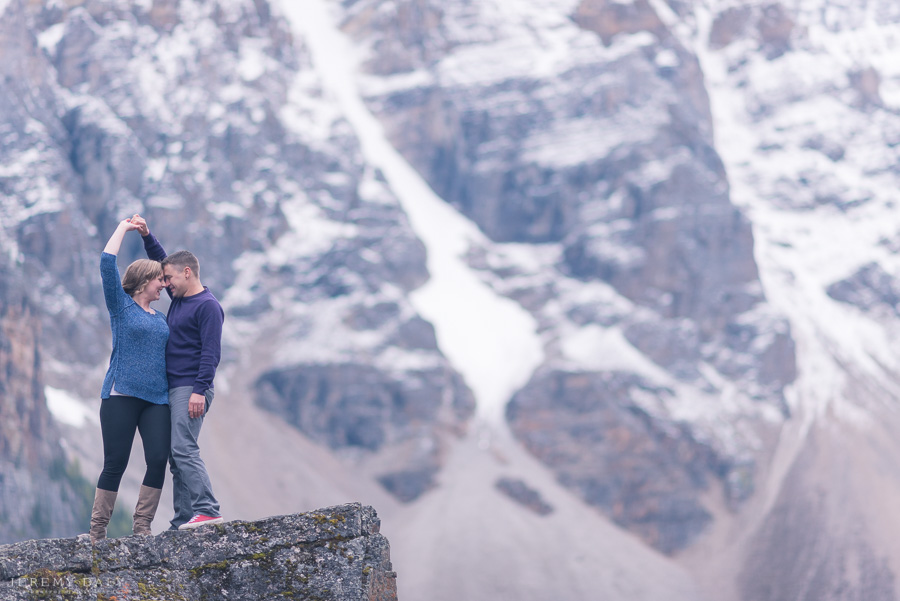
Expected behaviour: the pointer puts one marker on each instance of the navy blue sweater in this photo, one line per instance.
(137, 366)
(195, 333)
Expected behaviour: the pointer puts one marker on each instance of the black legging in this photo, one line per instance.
(120, 416)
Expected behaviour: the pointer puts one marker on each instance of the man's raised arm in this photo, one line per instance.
(152, 246)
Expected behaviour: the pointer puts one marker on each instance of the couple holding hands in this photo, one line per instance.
(159, 382)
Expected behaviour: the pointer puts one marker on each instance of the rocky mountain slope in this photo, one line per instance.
(618, 270)
(604, 153)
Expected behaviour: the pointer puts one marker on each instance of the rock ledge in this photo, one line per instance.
(330, 554)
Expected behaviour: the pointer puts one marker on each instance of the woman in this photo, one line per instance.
(135, 394)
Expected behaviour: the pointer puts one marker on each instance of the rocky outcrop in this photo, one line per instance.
(776, 26)
(771, 25)
(609, 18)
(871, 289)
(24, 420)
(730, 25)
(648, 475)
(517, 490)
(867, 83)
(333, 554)
(357, 408)
(410, 33)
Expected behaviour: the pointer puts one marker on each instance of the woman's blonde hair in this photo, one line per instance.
(139, 274)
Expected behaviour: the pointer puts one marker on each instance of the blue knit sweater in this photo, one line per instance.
(137, 366)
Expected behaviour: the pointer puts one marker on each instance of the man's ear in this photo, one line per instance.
(187, 273)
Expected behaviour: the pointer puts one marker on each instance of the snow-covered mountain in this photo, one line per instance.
(589, 298)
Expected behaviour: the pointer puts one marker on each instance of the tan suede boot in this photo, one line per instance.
(148, 501)
(104, 501)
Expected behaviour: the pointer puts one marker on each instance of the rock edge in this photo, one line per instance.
(336, 553)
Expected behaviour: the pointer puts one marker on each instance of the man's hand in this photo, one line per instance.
(196, 405)
(140, 225)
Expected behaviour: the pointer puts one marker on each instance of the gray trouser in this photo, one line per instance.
(191, 490)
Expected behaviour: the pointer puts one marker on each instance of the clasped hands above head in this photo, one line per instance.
(140, 224)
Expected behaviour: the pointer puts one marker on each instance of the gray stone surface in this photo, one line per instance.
(871, 289)
(41, 494)
(648, 475)
(334, 554)
(359, 408)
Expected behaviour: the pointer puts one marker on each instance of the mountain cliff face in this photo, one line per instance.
(596, 138)
(687, 206)
(207, 120)
(41, 493)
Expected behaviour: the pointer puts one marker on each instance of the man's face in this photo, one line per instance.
(176, 280)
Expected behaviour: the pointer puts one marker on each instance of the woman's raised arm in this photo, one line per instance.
(115, 241)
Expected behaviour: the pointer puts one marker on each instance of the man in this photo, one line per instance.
(193, 351)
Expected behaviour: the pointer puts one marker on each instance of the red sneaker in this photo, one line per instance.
(200, 520)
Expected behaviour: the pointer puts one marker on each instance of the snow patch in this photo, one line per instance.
(490, 340)
(311, 232)
(253, 61)
(383, 86)
(818, 180)
(596, 348)
(67, 409)
(500, 40)
(50, 37)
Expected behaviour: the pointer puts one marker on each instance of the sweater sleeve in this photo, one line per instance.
(153, 248)
(155, 251)
(210, 319)
(113, 293)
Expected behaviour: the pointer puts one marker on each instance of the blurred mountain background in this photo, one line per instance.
(590, 299)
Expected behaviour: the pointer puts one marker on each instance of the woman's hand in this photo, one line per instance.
(140, 225)
(115, 241)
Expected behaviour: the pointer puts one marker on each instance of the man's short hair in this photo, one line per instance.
(182, 259)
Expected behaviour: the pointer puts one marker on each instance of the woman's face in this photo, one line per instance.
(154, 287)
